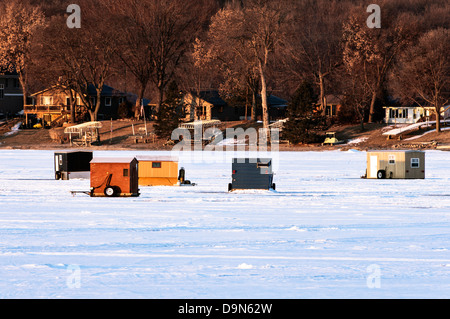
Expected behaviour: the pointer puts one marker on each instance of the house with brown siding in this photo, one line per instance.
(208, 106)
(53, 104)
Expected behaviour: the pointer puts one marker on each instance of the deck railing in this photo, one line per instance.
(46, 108)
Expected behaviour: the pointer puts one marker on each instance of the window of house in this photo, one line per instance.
(156, 164)
(415, 163)
(391, 159)
(77, 101)
(125, 172)
(401, 114)
(46, 100)
(394, 113)
(108, 101)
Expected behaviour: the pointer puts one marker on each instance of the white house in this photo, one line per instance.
(411, 114)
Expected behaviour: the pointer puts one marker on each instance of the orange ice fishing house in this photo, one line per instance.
(114, 177)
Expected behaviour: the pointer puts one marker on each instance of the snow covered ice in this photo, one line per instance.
(324, 233)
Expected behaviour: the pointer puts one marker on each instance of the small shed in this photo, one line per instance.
(158, 170)
(114, 177)
(73, 164)
(408, 164)
(251, 173)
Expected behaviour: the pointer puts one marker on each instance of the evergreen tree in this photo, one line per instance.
(170, 112)
(303, 117)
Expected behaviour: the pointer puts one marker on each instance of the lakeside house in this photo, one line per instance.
(53, 105)
(208, 105)
(412, 114)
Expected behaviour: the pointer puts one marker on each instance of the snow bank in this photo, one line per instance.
(357, 140)
(14, 129)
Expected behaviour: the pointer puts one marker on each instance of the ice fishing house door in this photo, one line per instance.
(251, 173)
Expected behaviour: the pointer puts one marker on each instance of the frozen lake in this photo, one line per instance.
(324, 233)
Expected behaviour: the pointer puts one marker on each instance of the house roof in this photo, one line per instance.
(145, 158)
(112, 159)
(275, 101)
(395, 151)
(58, 86)
(334, 99)
(106, 90)
(415, 107)
(210, 96)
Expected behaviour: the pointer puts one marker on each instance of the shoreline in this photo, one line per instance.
(118, 135)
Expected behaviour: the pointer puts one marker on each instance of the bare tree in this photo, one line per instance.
(174, 25)
(313, 49)
(423, 72)
(233, 57)
(83, 57)
(19, 23)
(196, 72)
(374, 50)
(251, 32)
(134, 42)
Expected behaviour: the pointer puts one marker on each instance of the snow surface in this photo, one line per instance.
(357, 140)
(324, 233)
(409, 127)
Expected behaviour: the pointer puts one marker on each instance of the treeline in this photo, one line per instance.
(246, 49)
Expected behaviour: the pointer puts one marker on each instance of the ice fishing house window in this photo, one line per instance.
(392, 159)
(415, 163)
(125, 172)
(262, 165)
(156, 164)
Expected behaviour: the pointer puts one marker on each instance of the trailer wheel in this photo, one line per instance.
(273, 186)
(381, 174)
(230, 187)
(58, 175)
(110, 191)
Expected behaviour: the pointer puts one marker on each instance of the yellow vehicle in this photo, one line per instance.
(330, 139)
